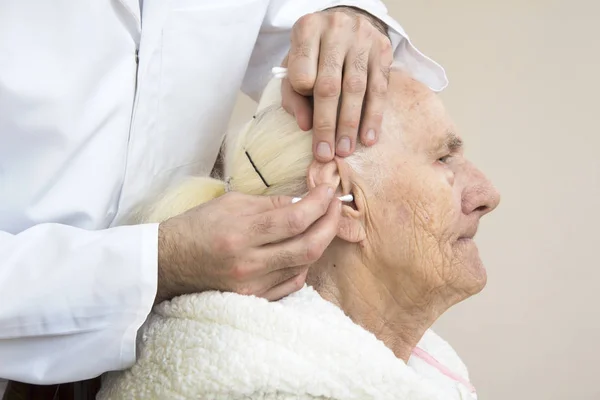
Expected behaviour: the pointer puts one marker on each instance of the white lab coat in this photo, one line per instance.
(86, 132)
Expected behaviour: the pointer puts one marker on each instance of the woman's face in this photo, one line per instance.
(422, 224)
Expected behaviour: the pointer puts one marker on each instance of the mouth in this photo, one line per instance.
(469, 234)
(464, 238)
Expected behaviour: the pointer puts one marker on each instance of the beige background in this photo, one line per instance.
(524, 86)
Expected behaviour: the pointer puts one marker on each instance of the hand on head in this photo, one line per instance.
(340, 57)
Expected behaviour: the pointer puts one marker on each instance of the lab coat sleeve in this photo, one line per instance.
(72, 300)
(274, 41)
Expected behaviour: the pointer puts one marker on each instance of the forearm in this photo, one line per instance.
(73, 300)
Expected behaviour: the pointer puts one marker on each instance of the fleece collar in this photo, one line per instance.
(226, 346)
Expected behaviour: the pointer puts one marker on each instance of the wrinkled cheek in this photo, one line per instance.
(448, 265)
(402, 215)
(434, 261)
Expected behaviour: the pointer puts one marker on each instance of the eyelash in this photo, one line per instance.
(444, 159)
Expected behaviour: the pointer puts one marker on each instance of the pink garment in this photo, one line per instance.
(429, 359)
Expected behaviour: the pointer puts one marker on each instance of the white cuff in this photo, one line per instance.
(148, 286)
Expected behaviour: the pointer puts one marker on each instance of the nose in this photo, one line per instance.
(479, 196)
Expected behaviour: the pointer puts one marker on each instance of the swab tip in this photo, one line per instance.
(346, 198)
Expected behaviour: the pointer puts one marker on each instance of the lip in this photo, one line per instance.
(469, 233)
(467, 236)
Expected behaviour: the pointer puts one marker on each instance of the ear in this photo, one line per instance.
(336, 174)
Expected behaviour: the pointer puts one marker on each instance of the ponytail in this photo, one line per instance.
(191, 193)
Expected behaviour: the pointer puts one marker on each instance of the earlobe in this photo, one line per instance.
(351, 228)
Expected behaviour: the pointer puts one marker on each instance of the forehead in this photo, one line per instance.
(417, 114)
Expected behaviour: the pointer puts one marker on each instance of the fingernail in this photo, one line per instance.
(371, 135)
(324, 150)
(329, 192)
(344, 145)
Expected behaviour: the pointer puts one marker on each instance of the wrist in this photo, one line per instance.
(166, 262)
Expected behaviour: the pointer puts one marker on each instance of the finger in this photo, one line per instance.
(306, 248)
(297, 105)
(377, 88)
(353, 92)
(303, 56)
(327, 94)
(286, 288)
(248, 205)
(280, 223)
(277, 278)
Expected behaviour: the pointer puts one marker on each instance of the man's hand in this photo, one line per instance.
(246, 244)
(340, 57)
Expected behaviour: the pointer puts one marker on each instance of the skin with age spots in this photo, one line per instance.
(404, 250)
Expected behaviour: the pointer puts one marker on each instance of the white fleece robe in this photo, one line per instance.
(227, 346)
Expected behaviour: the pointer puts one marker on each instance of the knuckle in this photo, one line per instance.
(295, 222)
(340, 20)
(245, 290)
(298, 282)
(350, 123)
(302, 81)
(379, 89)
(355, 84)
(305, 22)
(324, 125)
(226, 244)
(327, 87)
(385, 44)
(314, 251)
(376, 117)
(360, 25)
(239, 271)
(365, 29)
(278, 201)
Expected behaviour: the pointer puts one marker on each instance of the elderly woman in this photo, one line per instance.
(360, 328)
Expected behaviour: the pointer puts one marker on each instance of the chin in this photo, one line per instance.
(474, 272)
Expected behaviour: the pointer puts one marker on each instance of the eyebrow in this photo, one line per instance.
(452, 141)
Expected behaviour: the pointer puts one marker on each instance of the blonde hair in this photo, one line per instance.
(269, 156)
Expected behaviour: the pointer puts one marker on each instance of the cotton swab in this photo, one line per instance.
(279, 72)
(345, 199)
